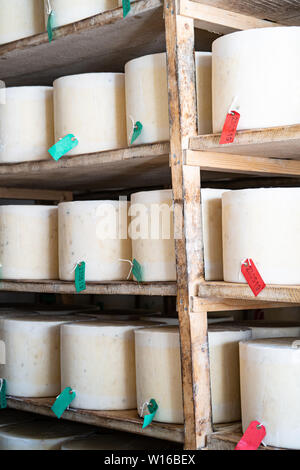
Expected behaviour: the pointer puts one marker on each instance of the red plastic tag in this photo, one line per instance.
(230, 127)
(253, 437)
(253, 277)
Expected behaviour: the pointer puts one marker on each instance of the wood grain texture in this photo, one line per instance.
(103, 288)
(242, 164)
(186, 192)
(221, 305)
(276, 142)
(35, 194)
(271, 293)
(280, 11)
(220, 20)
(145, 165)
(127, 420)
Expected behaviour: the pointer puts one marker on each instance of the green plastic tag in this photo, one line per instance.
(3, 403)
(63, 146)
(50, 25)
(152, 407)
(137, 271)
(138, 127)
(63, 401)
(80, 277)
(126, 7)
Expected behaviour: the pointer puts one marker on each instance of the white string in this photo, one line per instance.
(78, 263)
(142, 407)
(233, 107)
(49, 8)
(131, 266)
(133, 127)
(1, 384)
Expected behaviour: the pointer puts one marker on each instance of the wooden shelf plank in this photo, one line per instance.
(220, 20)
(103, 288)
(107, 40)
(276, 142)
(271, 293)
(282, 11)
(141, 166)
(240, 164)
(219, 305)
(228, 438)
(127, 421)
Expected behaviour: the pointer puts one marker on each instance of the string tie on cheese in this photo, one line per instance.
(1, 384)
(76, 264)
(142, 408)
(49, 7)
(133, 128)
(233, 106)
(244, 262)
(131, 266)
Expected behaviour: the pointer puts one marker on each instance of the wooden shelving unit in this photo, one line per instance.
(105, 43)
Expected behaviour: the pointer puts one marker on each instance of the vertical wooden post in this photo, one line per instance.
(188, 227)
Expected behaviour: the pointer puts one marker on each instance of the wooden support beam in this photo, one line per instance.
(35, 194)
(187, 221)
(242, 164)
(218, 20)
(222, 305)
(271, 293)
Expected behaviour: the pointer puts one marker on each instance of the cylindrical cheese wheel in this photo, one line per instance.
(263, 225)
(20, 18)
(152, 233)
(28, 242)
(117, 441)
(92, 107)
(26, 124)
(147, 96)
(270, 389)
(158, 372)
(98, 362)
(69, 11)
(264, 329)
(211, 201)
(225, 372)
(32, 345)
(259, 71)
(94, 232)
(42, 434)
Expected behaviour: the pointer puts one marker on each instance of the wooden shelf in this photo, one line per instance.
(228, 438)
(102, 288)
(275, 142)
(142, 166)
(271, 293)
(127, 421)
(104, 42)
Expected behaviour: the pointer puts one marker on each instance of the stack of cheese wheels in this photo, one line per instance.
(270, 388)
(28, 242)
(264, 329)
(69, 11)
(94, 232)
(91, 107)
(9, 417)
(159, 371)
(98, 362)
(118, 441)
(211, 201)
(26, 124)
(147, 96)
(42, 434)
(32, 345)
(152, 233)
(262, 225)
(250, 68)
(20, 18)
